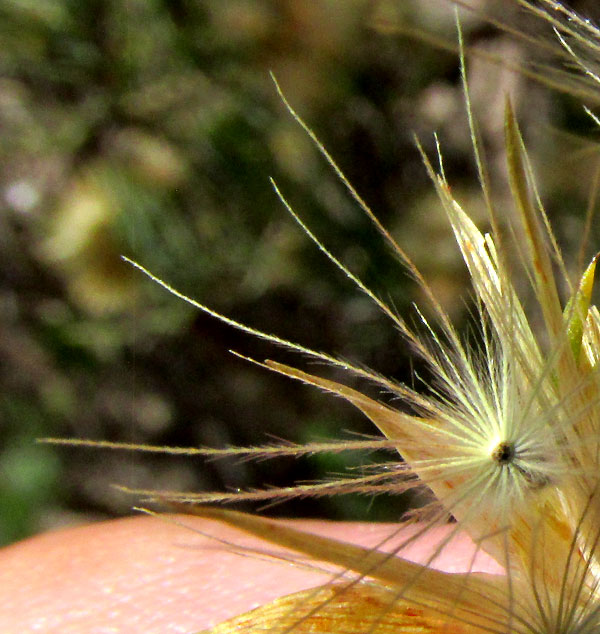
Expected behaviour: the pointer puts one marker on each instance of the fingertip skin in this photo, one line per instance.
(141, 574)
(137, 574)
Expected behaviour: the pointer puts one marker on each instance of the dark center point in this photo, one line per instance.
(504, 453)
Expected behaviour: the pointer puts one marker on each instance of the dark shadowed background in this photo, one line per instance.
(150, 128)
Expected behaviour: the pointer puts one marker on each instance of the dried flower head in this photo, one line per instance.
(507, 438)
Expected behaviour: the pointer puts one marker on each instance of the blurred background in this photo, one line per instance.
(150, 128)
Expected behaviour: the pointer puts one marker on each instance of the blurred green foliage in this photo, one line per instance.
(150, 128)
